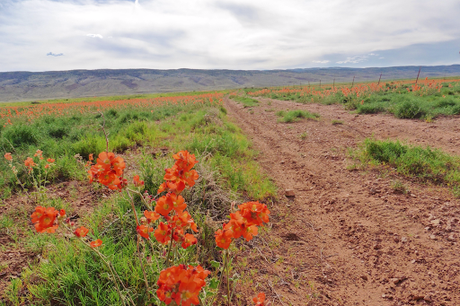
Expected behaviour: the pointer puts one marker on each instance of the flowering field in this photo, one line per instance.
(146, 235)
(424, 98)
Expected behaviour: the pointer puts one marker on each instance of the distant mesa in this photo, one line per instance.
(32, 86)
(129, 84)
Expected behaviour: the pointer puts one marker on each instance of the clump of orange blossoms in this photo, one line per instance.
(108, 171)
(181, 175)
(259, 300)
(181, 284)
(29, 163)
(244, 223)
(8, 157)
(172, 205)
(81, 232)
(44, 219)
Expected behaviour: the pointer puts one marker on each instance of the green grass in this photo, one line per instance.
(395, 98)
(69, 272)
(424, 164)
(246, 101)
(295, 115)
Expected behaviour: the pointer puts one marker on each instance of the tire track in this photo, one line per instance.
(366, 244)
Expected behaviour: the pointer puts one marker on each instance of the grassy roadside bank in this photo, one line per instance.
(64, 271)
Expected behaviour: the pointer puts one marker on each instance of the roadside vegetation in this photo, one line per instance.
(295, 115)
(426, 99)
(44, 146)
(426, 165)
(246, 101)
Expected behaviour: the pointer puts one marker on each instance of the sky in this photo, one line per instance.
(50, 35)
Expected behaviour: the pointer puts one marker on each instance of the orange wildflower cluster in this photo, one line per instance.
(8, 157)
(137, 181)
(181, 284)
(171, 206)
(29, 163)
(45, 220)
(244, 223)
(108, 171)
(360, 90)
(81, 232)
(259, 300)
(181, 174)
(84, 107)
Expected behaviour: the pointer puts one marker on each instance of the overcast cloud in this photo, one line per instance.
(41, 35)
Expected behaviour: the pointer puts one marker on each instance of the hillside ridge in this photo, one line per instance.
(27, 86)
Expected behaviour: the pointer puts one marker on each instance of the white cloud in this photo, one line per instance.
(95, 36)
(321, 62)
(232, 34)
(356, 59)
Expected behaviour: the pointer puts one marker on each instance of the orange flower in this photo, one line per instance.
(223, 238)
(29, 163)
(144, 231)
(96, 243)
(91, 157)
(164, 205)
(62, 213)
(39, 154)
(163, 233)
(138, 182)
(259, 300)
(171, 187)
(249, 232)
(235, 226)
(189, 239)
(47, 166)
(81, 232)
(254, 212)
(181, 284)
(180, 177)
(184, 220)
(50, 160)
(8, 157)
(108, 171)
(151, 215)
(185, 160)
(43, 219)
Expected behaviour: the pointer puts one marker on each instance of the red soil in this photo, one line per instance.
(347, 238)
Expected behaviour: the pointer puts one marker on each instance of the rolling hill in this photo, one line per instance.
(27, 86)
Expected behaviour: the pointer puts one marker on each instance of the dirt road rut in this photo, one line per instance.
(347, 238)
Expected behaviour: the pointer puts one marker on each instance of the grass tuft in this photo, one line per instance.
(295, 115)
(425, 164)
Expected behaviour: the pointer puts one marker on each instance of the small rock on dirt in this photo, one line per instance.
(289, 193)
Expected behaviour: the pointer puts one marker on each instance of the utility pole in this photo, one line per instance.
(418, 74)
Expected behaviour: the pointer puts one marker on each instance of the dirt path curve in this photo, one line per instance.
(347, 238)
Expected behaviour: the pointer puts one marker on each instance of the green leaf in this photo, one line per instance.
(215, 264)
(214, 283)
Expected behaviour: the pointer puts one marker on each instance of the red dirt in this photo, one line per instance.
(347, 238)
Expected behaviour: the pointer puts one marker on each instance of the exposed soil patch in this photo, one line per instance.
(348, 237)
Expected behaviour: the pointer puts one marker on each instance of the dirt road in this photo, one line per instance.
(347, 238)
